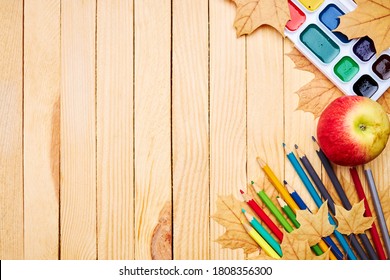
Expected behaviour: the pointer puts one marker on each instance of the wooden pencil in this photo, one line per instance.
(288, 211)
(347, 205)
(322, 189)
(263, 232)
(272, 207)
(378, 210)
(262, 215)
(367, 213)
(261, 242)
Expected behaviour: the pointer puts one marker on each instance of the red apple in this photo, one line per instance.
(353, 130)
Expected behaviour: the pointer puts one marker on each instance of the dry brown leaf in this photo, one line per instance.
(294, 249)
(251, 14)
(230, 216)
(319, 92)
(313, 226)
(372, 18)
(352, 221)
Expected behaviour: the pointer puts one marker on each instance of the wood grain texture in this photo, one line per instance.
(41, 128)
(11, 121)
(114, 129)
(78, 135)
(265, 118)
(299, 126)
(190, 130)
(152, 118)
(227, 116)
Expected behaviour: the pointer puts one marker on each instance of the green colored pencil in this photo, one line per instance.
(271, 206)
(290, 214)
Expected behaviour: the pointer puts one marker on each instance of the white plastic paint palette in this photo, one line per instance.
(352, 65)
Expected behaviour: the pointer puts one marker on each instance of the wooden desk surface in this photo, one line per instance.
(110, 110)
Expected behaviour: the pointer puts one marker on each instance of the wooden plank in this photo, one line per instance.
(115, 129)
(78, 139)
(41, 128)
(190, 129)
(265, 116)
(300, 126)
(227, 116)
(152, 120)
(11, 120)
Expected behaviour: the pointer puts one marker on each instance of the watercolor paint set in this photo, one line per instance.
(352, 65)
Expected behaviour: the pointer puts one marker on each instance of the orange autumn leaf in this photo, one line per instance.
(294, 249)
(372, 18)
(313, 226)
(229, 215)
(251, 14)
(319, 92)
(353, 221)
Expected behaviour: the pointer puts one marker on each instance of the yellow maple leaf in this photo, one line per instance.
(229, 215)
(319, 92)
(372, 18)
(296, 249)
(353, 221)
(251, 14)
(313, 226)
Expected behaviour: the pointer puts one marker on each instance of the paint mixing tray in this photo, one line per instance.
(352, 65)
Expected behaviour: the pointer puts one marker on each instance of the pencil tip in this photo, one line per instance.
(296, 146)
(284, 145)
(285, 182)
(314, 139)
(252, 182)
(243, 210)
(241, 191)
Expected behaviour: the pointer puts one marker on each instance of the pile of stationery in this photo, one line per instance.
(290, 201)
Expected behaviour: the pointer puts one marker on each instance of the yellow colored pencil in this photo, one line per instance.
(278, 185)
(287, 198)
(262, 243)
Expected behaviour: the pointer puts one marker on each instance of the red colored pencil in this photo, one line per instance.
(262, 215)
(374, 231)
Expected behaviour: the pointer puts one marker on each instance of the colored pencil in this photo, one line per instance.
(337, 254)
(277, 184)
(378, 210)
(347, 205)
(262, 243)
(262, 215)
(263, 232)
(324, 192)
(373, 230)
(271, 206)
(302, 175)
(301, 204)
(288, 211)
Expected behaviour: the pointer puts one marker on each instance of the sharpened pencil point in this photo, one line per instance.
(243, 210)
(284, 145)
(296, 146)
(241, 191)
(285, 182)
(260, 162)
(314, 139)
(252, 182)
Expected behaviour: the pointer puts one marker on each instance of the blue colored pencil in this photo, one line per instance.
(263, 232)
(298, 200)
(320, 186)
(302, 205)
